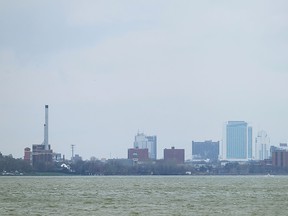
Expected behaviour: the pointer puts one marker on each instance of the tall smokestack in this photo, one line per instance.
(46, 129)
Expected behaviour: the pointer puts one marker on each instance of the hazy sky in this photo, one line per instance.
(175, 69)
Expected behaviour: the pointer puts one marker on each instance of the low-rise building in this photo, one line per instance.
(138, 155)
(41, 157)
(207, 150)
(174, 155)
(280, 158)
(27, 155)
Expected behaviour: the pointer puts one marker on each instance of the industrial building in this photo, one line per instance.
(42, 154)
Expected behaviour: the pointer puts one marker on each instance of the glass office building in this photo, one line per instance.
(238, 141)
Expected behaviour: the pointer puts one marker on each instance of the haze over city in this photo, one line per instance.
(108, 69)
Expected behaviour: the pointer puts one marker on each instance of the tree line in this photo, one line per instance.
(11, 165)
(8, 164)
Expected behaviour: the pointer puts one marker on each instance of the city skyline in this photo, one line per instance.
(177, 70)
(238, 144)
(188, 156)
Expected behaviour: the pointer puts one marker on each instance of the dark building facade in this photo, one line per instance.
(280, 158)
(174, 155)
(41, 158)
(138, 155)
(206, 150)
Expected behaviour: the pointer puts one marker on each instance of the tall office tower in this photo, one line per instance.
(140, 141)
(262, 146)
(238, 141)
(207, 150)
(152, 146)
(250, 151)
(150, 142)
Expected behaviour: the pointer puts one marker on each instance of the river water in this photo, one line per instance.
(144, 195)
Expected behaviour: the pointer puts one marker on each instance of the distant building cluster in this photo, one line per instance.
(237, 145)
(146, 142)
(145, 148)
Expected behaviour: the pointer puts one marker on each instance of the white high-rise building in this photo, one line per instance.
(262, 146)
(147, 142)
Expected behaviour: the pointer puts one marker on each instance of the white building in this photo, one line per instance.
(262, 146)
(150, 142)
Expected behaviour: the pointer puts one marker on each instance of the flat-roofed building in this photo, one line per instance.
(237, 141)
(27, 155)
(174, 155)
(138, 155)
(280, 158)
(207, 150)
(41, 158)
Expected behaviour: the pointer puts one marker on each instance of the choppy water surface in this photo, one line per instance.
(144, 195)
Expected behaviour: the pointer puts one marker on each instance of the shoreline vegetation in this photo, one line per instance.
(10, 166)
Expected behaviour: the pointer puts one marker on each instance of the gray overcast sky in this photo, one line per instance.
(175, 69)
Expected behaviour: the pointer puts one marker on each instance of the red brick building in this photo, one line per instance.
(137, 154)
(174, 155)
(27, 155)
(280, 158)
